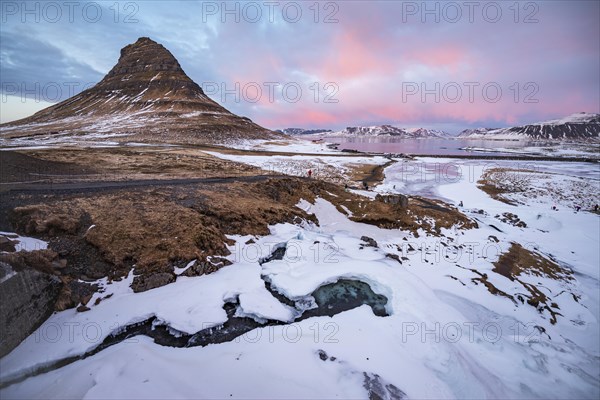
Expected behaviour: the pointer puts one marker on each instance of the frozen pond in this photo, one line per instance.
(423, 176)
(462, 147)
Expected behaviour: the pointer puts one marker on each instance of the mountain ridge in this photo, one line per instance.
(579, 126)
(302, 131)
(146, 96)
(389, 131)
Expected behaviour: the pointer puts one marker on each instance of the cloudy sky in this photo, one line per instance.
(446, 65)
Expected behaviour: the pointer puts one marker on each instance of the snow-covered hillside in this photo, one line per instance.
(389, 130)
(302, 131)
(580, 126)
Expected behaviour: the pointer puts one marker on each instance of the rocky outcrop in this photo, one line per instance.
(206, 267)
(141, 283)
(370, 242)
(6, 244)
(27, 298)
(395, 199)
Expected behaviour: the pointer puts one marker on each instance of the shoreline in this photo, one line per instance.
(480, 157)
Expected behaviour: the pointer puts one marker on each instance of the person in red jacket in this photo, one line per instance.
(309, 173)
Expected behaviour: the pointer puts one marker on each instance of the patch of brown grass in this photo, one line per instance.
(107, 233)
(42, 219)
(514, 265)
(426, 214)
(519, 260)
(126, 163)
(498, 181)
(372, 174)
(156, 229)
(40, 260)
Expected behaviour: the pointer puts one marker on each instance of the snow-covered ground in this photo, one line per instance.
(330, 167)
(25, 243)
(98, 135)
(563, 150)
(447, 336)
(288, 145)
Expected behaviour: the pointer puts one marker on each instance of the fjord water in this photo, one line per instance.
(430, 146)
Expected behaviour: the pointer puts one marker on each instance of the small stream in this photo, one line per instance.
(327, 300)
(344, 295)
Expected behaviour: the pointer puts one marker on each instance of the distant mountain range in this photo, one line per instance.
(581, 126)
(300, 131)
(377, 130)
(577, 127)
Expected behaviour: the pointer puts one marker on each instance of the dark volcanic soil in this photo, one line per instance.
(19, 167)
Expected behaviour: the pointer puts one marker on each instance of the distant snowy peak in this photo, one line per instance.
(370, 131)
(580, 126)
(389, 130)
(475, 132)
(577, 118)
(301, 131)
(422, 132)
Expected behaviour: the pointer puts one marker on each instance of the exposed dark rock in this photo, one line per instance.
(394, 257)
(73, 293)
(206, 267)
(378, 389)
(26, 299)
(370, 242)
(141, 283)
(59, 264)
(322, 355)
(496, 228)
(6, 244)
(277, 254)
(84, 259)
(395, 199)
(513, 219)
(345, 295)
(5, 271)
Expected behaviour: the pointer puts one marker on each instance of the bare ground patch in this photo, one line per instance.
(426, 214)
(371, 174)
(520, 265)
(117, 164)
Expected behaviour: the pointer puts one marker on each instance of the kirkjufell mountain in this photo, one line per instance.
(145, 97)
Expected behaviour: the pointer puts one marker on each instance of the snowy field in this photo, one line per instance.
(567, 150)
(328, 167)
(291, 145)
(447, 335)
(98, 136)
